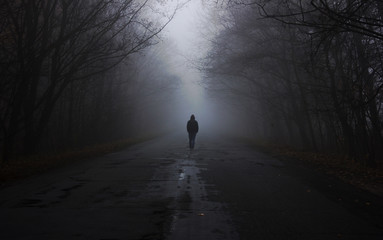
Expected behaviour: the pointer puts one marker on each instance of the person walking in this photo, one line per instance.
(192, 128)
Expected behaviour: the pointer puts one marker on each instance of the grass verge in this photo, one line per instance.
(347, 170)
(25, 167)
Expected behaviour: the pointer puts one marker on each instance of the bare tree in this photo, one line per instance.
(49, 45)
(313, 64)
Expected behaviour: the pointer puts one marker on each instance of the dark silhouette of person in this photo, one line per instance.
(192, 128)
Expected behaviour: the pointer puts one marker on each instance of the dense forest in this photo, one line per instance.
(73, 72)
(302, 73)
(306, 73)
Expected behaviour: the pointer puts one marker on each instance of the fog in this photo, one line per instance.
(98, 138)
(183, 33)
(307, 76)
(187, 43)
(189, 35)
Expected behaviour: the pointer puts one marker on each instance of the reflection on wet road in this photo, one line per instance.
(162, 190)
(193, 216)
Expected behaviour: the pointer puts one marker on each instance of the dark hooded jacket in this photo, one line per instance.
(192, 125)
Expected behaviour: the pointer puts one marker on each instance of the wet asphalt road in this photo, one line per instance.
(162, 190)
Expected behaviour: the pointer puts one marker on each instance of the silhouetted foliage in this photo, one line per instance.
(308, 73)
(56, 58)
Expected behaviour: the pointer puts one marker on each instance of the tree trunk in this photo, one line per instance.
(368, 79)
(339, 111)
(305, 110)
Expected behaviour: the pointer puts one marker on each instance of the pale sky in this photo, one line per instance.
(184, 27)
(184, 33)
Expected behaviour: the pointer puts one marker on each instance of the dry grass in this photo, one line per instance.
(24, 167)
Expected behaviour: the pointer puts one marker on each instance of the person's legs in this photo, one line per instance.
(192, 140)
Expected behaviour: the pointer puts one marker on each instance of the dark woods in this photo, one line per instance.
(307, 73)
(303, 73)
(67, 70)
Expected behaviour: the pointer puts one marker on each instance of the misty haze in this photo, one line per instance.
(191, 119)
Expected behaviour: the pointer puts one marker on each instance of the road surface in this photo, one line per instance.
(161, 190)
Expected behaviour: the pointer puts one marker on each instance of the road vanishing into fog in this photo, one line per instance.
(161, 190)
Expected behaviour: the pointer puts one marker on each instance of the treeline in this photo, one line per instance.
(67, 70)
(307, 73)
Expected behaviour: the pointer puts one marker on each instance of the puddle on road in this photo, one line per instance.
(181, 177)
(193, 216)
